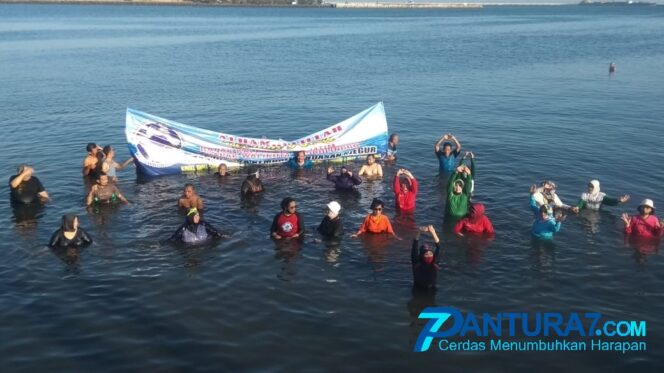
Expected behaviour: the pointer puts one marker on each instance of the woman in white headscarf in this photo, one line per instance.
(593, 199)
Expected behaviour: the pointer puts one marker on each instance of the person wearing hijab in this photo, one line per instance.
(252, 185)
(545, 225)
(288, 223)
(69, 234)
(376, 222)
(458, 194)
(346, 180)
(475, 222)
(331, 228)
(405, 191)
(425, 260)
(593, 199)
(645, 225)
(195, 230)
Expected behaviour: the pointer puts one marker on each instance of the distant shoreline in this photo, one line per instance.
(339, 5)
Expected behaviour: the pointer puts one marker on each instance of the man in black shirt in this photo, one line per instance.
(26, 188)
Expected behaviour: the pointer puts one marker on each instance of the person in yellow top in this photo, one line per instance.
(376, 222)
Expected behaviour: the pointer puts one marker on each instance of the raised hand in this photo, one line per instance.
(624, 198)
(625, 218)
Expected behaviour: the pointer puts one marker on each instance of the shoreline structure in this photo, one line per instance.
(284, 4)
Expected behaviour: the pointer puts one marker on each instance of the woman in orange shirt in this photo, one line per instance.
(376, 222)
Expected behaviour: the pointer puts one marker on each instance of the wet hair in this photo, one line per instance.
(544, 209)
(68, 222)
(90, 146)
(296, 153)
(107, 149)
(222, 164)
(286, 201)
(446, 143)
(377, 202)
(392, 136)
(371, 156)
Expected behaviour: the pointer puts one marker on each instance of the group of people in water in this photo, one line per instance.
(466, 216)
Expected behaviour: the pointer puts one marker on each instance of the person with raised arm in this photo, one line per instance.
(424, 260)
(447, 156)
(645, 225)
(26, 188)
(405, 191)
(594, 199)
(345, 181)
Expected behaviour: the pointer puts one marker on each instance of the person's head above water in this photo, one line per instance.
(548, 185)
(394, 139)
(377, 206)
(593, 187)
(544, 212)
(647, 207)
(333, 209)
(458, 186)
(253, 173)
(447, 148)
(189, 191)
(299, 156)
(426, 253)
(288, 205)
(371, 159)
(109, 152)
(69, 222)
(222, 169)
(24, 167)
(103, 179)
(92, 148)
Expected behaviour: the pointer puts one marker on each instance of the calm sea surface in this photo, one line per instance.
(526, 88)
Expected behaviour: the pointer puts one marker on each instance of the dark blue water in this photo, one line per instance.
(527, 89)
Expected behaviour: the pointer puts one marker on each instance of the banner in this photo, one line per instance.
(161, 147)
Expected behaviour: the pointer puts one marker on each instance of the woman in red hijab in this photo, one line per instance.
(475, 222)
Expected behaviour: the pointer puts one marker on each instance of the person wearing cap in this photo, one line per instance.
(110, 166)
(288, 223)
(190, 199)
(405, 191)
(392, 143)
(331, 228)
(252, 184)
(92, 164)
(371, 168)
(424, 260)
(593, 199)
(475, 222)
(545, 195)
(195, 230)
(376, 222)
(69, 234)
(645, 224)
(26, 188)
(346, 180)
(458, 194)
(447, 157)
(545, 225)
(299, 161)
